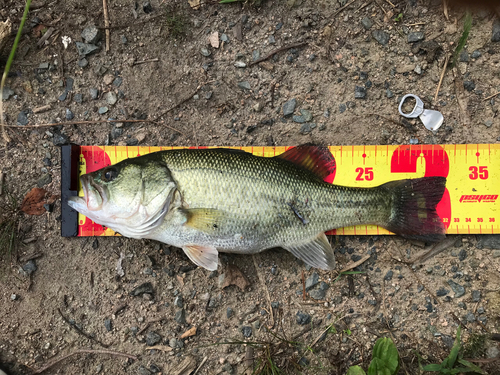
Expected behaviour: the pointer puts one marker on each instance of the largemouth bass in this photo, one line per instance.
(220, 200)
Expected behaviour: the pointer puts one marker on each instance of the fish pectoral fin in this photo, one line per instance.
(206, 220)
(203, 256)
(317, 252)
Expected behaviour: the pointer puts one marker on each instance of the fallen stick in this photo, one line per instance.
(355, 264)
(106, 23)
(442, 76)
(83, 351)
(278, 50)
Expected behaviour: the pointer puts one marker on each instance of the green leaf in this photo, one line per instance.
(472, 367)
(432, 367)
(454, 350)
(385, 359)
(355, 370)
(228, 1)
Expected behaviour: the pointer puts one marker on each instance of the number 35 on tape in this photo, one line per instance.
(469, 204)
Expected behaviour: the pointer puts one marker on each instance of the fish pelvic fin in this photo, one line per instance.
(413, 213)
(315, 252)
(206, 220)
(203, 256)
(316, 159)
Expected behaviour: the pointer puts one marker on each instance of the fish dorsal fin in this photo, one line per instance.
(203, 256)
(316, 159)
(206, 220)
(316, 252)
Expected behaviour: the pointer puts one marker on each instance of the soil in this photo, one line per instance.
(76, 300)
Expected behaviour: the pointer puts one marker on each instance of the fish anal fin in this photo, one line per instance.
(316, 159)
(203, 256)
(316, 252)
(206, 220)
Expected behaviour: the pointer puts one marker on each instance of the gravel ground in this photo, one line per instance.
(190, 76)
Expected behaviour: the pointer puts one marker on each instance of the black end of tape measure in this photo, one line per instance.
(70, 155)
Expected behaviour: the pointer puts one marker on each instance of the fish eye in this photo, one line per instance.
(110, 174)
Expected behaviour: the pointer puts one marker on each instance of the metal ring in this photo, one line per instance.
(417, 110)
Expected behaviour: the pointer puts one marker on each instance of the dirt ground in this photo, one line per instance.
(156, 69)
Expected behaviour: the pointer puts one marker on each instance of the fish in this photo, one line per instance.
(207, 201)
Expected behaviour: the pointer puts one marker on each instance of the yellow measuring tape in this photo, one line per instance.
(469, 204)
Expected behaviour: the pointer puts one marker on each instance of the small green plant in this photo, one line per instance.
(451, 364)
(385, 360)
(176, 24)
(463, 39)
(399, 17)
(9, 63)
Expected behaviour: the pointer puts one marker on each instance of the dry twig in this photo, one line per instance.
(106, 23)
(341, 9)
(146, 61)
(83, 351)
(355, 264)
(278, 50)
(442, 76)
(86, 335)
(492, 96)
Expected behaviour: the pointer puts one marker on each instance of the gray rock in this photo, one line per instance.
(303, 318)
(492, 351)
(103, 110)
(388, 275)
(312, 281)
(324, 286)
(224, 38)
(175, 343)
(78, 98)
(381, 36)
(229, 312)
(359, 92)
(289, 107)
(462, 255)
(69, 83)
(372, 302)
(205, 52)
(43, 66)
(495, 35)
(22, 118)
(29, 267)
(7, 92)
(179, 302)
(91, 34)
(307, 127)
(94, 93)
(470, 317)
(110, 98)
(117, 82)
(488, 123)
(367, 23)
(245, 85)
(300, 119)
(246, 331)
(124, 40)
(141, 370)
(476, 54)
(342, 107)
(389, 93)
(306, 114)
(490, 241)
(317, 294)
(63, 96)
(152, 338)
(495, 253)
(146, 7)
(415, 36)
(441, 292)
(240, 64)
(60, 139)
(272, 39)
(85, 49)
(116, 132)
(464, 56)
(458, 289)
(44, 180)
(141, 289)
(14, 297)
(107, 324)
(180, 316)
(255, 54)
(69, 114)
(469, 85)
(447, 340)
(476, 295)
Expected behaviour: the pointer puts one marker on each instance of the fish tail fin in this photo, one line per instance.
(413, 213)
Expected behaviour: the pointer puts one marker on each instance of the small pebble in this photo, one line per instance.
(359, 92)
(103, 110)
(245, 85)
(247, 331)
(152, 338)
(415, 36)
(69, 114)
(107, 324)
(469, 85)
(94, 93)
(381, 36)
(289, 107)
(303, 318)
(205, 52)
